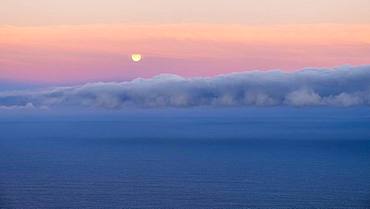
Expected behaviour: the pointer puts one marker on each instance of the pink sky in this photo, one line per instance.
(74, 41)
(76, 53)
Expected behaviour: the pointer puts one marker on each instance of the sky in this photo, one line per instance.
(76, 41)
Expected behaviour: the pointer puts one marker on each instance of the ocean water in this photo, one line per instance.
(179, 158)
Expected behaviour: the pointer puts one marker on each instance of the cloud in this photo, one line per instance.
(344, 86)
(28, 106)
(303, 97)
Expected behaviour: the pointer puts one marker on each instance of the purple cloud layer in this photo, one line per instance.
(345, 86)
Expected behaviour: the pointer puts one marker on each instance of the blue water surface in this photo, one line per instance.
(186, 158)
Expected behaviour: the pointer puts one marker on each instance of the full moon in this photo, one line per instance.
(136, 57)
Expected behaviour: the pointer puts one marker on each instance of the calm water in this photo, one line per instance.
(269, 158)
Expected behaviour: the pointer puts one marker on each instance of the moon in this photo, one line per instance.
(136, 57)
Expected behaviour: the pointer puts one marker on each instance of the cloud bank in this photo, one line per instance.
(344, 86)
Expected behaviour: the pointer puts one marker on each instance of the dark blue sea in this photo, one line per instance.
(186, 158)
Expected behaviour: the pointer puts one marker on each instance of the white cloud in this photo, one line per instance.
(345, 86)
(303, 97)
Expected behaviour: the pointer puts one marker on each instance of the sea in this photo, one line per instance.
(186, 158)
